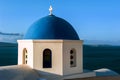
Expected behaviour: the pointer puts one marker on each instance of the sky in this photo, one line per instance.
(92, 19)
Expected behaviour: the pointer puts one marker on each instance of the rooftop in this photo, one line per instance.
(51, 27)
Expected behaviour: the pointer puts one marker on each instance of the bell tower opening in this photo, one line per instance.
(47, 58)
(25, 56)
(72, 58)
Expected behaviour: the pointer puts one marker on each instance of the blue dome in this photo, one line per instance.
(51, 27)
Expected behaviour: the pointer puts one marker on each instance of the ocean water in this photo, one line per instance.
(8, 54)
(95, 57)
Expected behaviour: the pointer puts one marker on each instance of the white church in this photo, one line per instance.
(53, 46)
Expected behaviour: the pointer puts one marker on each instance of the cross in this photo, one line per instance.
(50, 9)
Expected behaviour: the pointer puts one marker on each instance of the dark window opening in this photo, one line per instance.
(72, 58)
(71, 62)
(71, 51)
(47, 58)
(26, 56)
(26, 62)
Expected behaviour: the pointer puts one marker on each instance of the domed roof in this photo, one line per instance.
(51, 27)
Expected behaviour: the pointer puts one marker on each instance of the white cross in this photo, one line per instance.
(50, 9)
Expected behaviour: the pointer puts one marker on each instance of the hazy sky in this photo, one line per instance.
(92, 19)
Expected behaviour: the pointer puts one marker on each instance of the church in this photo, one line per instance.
(52, 45)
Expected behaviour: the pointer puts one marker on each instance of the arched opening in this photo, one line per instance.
(47, 58)
(72, 58)
(25, 56)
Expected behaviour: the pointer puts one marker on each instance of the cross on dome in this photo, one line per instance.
(50, 9)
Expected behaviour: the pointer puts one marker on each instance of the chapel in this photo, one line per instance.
(52, 45)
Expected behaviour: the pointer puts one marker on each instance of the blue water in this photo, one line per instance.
(96, 57)
(8, 54)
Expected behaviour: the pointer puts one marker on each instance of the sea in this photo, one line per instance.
(94, 56)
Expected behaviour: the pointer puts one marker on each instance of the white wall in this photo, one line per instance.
(60, 55)
(28, 44)
(68, 45)
(56, 47)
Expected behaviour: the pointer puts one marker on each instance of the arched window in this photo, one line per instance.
(47, 58)
(25, 56)
(72, 58)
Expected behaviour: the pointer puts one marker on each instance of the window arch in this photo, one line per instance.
(25, 56)
(47, 58)
(72, 58)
